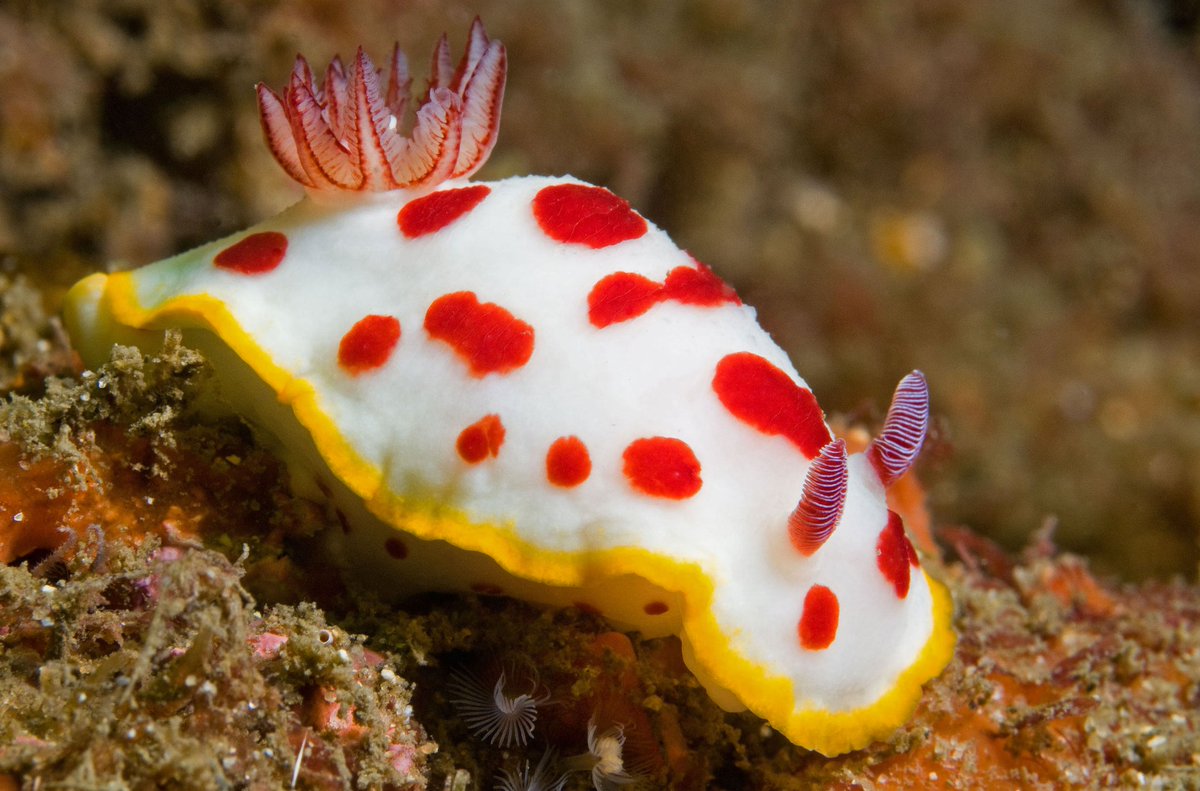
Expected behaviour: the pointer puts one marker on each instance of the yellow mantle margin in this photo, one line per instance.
(771, 697)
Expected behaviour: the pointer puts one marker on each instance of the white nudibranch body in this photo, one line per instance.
(523, 387)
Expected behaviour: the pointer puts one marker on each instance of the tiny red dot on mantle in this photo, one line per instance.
(481, 439)
(698, 285)
(256, 254)
(662, 467)
(435, 211)
(894, 555)
(488, 338)
(567, 462)
(819, 620)
(621, 296)
(656, 608)
(765, 397)
(368, 344)
(396, 548)
(586, 215)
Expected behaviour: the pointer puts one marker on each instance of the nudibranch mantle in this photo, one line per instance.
(523, 387)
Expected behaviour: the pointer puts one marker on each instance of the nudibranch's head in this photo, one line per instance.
(345, 135)
(891, 454)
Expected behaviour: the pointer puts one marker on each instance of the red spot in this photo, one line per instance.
(567, 462)
(342, 520)
(396, 548)
(697, 286)
(662, 467)
(621, 296)
(655, 608)
(894, 553)
(435, 211)
(481, 439)
(587, 609)
(487, 589)
(591, 216)
(368, 344)
(256, 254)
(819, 621)
(487, 337)
(761, 395)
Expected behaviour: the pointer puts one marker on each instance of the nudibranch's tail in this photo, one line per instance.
(345, 134)
(93, 329)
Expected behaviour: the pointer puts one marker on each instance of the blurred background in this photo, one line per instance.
(1002, 193)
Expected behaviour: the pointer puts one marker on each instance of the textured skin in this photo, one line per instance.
(701, 550)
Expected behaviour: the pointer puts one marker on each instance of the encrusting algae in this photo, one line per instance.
(132, 652)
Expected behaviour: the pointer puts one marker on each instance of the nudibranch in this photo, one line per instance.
(524, 388)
